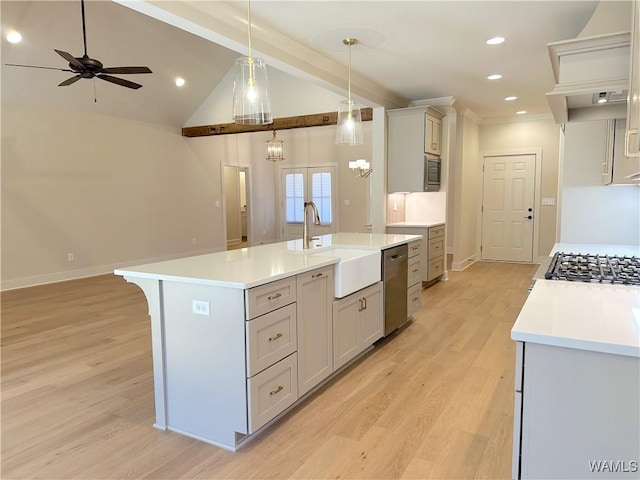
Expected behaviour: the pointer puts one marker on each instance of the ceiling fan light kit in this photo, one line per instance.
(349, 131)
(86, 67)
(251, 104)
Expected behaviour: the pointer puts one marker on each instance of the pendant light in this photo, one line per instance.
(251, 104)
(275, 149)
(349, 118)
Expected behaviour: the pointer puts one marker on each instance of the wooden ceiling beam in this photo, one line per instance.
(284, 123)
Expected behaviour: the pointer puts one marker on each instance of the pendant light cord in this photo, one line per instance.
(350, 75)
(249, 24)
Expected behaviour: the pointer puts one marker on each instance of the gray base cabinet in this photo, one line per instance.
(576, 414)
(357, 323)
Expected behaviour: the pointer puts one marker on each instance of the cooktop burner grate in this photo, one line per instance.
(577, 267)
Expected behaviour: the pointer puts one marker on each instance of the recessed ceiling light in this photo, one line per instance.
(510, 99)
(495, 76)
(521, 112)
(180, 82)
(14, 37)
(495, 41)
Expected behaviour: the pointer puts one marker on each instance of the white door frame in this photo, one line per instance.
(536, 193)
(279, 187)
(249, 200)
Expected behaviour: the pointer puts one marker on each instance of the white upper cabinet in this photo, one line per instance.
(632, 136)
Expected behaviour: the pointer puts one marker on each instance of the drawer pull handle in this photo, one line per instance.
(414, 271)
(316, 275)
(277, 390)
(275, 337)
(415, 299)
(273, 297)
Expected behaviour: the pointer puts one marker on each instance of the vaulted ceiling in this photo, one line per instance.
(407, 50)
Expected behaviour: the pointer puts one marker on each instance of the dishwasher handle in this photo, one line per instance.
(398, 256)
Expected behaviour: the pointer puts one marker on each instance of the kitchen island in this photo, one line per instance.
(577, 384)
(239, 337)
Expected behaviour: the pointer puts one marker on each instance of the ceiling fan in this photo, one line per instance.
(86, 67)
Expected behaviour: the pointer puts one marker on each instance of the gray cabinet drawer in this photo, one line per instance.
(271, 391)
(436, 267)
(436, 248)
(413, 271)
(268, 297)
(414, 248)
(413, 298)
(436, 232)
(270, 338)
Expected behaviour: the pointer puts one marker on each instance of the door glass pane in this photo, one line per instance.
(294, 197)
(321, 195)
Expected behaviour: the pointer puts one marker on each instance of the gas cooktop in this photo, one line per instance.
(612, 269)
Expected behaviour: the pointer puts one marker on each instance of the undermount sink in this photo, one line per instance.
(356, 269)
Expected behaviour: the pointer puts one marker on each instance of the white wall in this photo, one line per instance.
(523, 133)
(111, 191)
(592, 212)
(467, 192)
(290, 96)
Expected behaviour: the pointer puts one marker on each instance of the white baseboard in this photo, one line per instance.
(89, 271)
(460, 266)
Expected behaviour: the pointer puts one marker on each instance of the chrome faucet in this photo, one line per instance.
(306, 236)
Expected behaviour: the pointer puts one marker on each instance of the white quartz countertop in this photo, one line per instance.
(586, 316)
(253, 266)
(416, 224)
(597, 249)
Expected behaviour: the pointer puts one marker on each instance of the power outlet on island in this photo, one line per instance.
(201, 307)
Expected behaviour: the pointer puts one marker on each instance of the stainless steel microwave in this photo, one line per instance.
(432, 171)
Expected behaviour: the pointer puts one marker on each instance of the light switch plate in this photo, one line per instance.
(548, 201)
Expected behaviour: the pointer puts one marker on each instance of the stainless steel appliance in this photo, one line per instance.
(578, 267)
(432, 171)
(394, 273)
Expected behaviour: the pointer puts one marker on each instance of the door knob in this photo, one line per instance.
(529, 209)
(529, 217)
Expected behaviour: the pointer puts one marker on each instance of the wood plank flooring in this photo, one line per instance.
(434, 400)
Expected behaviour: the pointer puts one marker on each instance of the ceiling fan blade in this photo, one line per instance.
(35, 66)
(71, 59)
(119, 81)
(69, 81)
(126, 70)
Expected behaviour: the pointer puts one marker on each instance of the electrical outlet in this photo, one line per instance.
(194, 241)
(201, 307)
(70, 257)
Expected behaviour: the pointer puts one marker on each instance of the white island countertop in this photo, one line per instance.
(586, 316)
(415, 224)
(249, 267)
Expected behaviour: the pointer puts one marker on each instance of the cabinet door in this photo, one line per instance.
(370, 321)
(315, 329)
(405, 168)
(621, 166)
(345, 329)
(433, 128)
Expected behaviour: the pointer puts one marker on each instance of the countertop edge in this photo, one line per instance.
(576, 344)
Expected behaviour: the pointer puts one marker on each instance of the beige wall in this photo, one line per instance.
(544, 134)
(115, 192)
(111, 191)
(466, 192)
(232, 204)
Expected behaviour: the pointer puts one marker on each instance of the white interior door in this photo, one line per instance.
(299, 185)
(508, 207)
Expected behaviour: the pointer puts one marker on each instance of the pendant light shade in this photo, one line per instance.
(275, 149)
(251, 104)
(349, 130)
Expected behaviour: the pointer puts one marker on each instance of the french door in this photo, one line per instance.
(304, 184)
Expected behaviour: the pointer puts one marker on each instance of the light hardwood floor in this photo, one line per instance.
(434, 400)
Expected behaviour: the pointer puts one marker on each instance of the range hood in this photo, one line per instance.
(586, 70)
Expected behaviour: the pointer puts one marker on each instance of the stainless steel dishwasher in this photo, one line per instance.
(394, 275)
